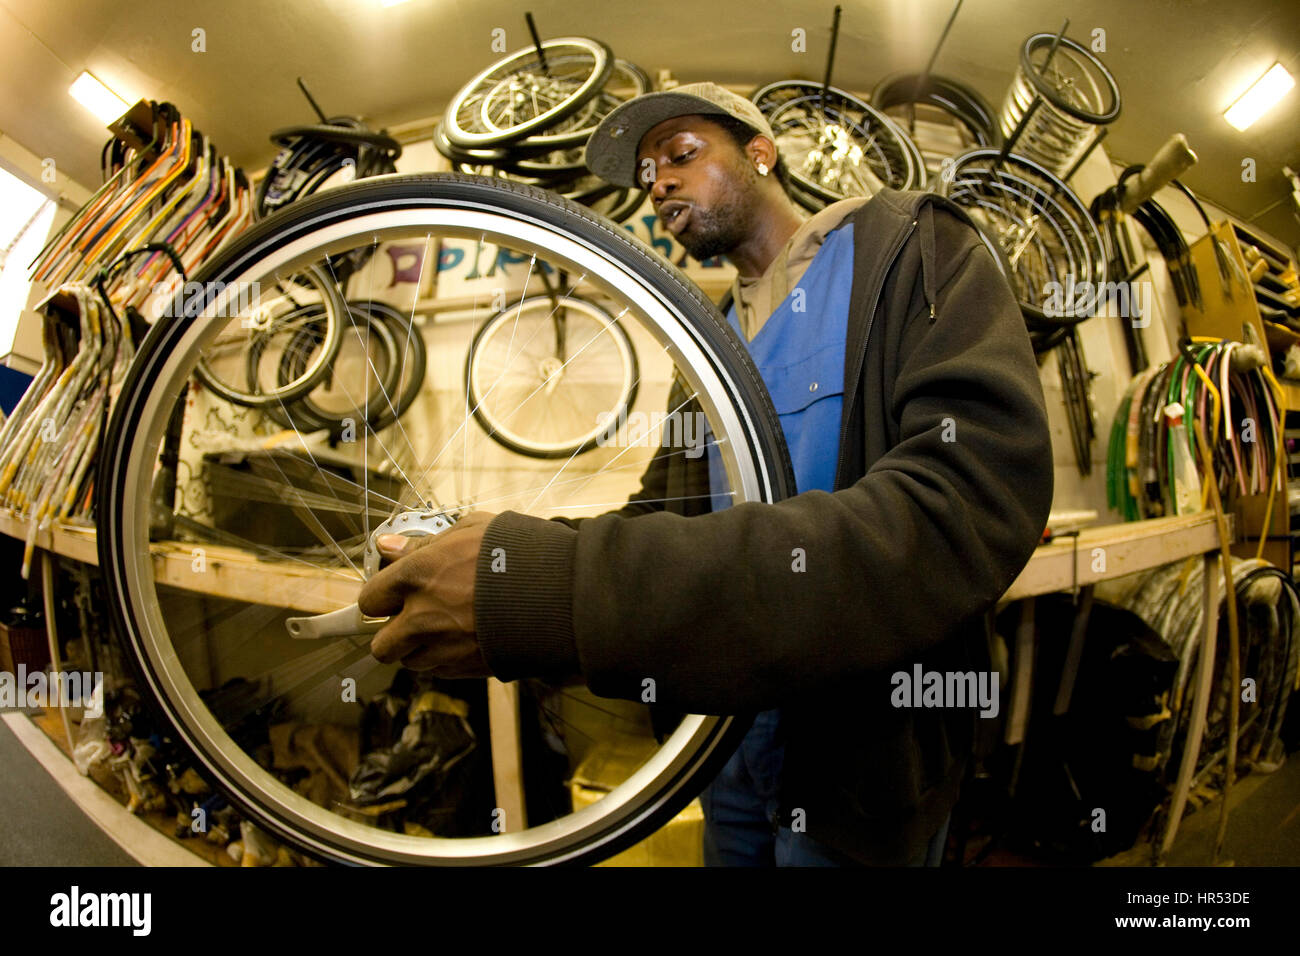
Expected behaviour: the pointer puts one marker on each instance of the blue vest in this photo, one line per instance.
(799, 352)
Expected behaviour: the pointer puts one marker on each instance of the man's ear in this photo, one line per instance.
(760, 149)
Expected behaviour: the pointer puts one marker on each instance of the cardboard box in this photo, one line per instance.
(1249, 511)
(680, 842)
(1277, 551)
(23, 645)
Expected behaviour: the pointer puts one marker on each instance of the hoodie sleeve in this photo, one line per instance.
(744, 608)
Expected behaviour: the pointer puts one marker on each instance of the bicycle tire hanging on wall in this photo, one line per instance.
(1049, 245)
(836, 145)
(573, 345)
(944, 117)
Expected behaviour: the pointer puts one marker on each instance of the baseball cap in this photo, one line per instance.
(611, 151)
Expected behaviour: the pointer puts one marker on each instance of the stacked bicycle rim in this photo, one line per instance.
(528, 117)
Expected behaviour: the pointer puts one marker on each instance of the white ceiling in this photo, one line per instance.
(1179, 64)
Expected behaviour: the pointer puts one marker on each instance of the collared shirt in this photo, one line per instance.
(756, 298)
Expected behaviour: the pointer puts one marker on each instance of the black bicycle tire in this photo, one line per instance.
(1035, 316)
(1050, 94)
(338, 134)
(414, 362)
(530, 165)
(305, 415)
(963, 102)
(411, 363)
(392, 377)
(532, 451)
(478, 156)
(558, 183)
(699, 318)
(588, 191)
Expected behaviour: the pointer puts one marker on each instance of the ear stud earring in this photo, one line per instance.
(762, 169)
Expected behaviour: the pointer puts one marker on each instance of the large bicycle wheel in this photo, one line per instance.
(285, 534)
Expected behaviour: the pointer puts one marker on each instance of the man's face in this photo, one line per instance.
(703, 184)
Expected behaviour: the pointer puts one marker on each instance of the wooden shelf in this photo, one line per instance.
(71, 541)
(223, 571)
(1136, 546)
(239, 575)
(1127, 548)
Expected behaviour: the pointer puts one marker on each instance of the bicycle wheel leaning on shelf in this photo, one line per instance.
(389, 359)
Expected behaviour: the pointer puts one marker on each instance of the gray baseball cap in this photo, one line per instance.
(612, 149)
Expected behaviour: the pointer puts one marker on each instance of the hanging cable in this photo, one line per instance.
(1246, 449)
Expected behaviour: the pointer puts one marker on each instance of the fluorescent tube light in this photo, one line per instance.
(1260, 98)
(98, 98)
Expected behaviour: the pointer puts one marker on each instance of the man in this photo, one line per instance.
(909, 396)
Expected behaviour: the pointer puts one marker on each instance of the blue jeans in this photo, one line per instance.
(741, 807)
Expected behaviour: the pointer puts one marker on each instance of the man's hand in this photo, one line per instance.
(428, 590)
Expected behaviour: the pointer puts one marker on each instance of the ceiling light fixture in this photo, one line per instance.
(98, 98)
(1260, 98)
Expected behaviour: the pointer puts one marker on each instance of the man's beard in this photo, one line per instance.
(717, 231)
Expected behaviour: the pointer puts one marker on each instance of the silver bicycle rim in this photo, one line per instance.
(331, 834)
(312, 373)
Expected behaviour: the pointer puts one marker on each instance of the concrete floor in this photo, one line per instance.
(1263, 826)
(40, 825)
